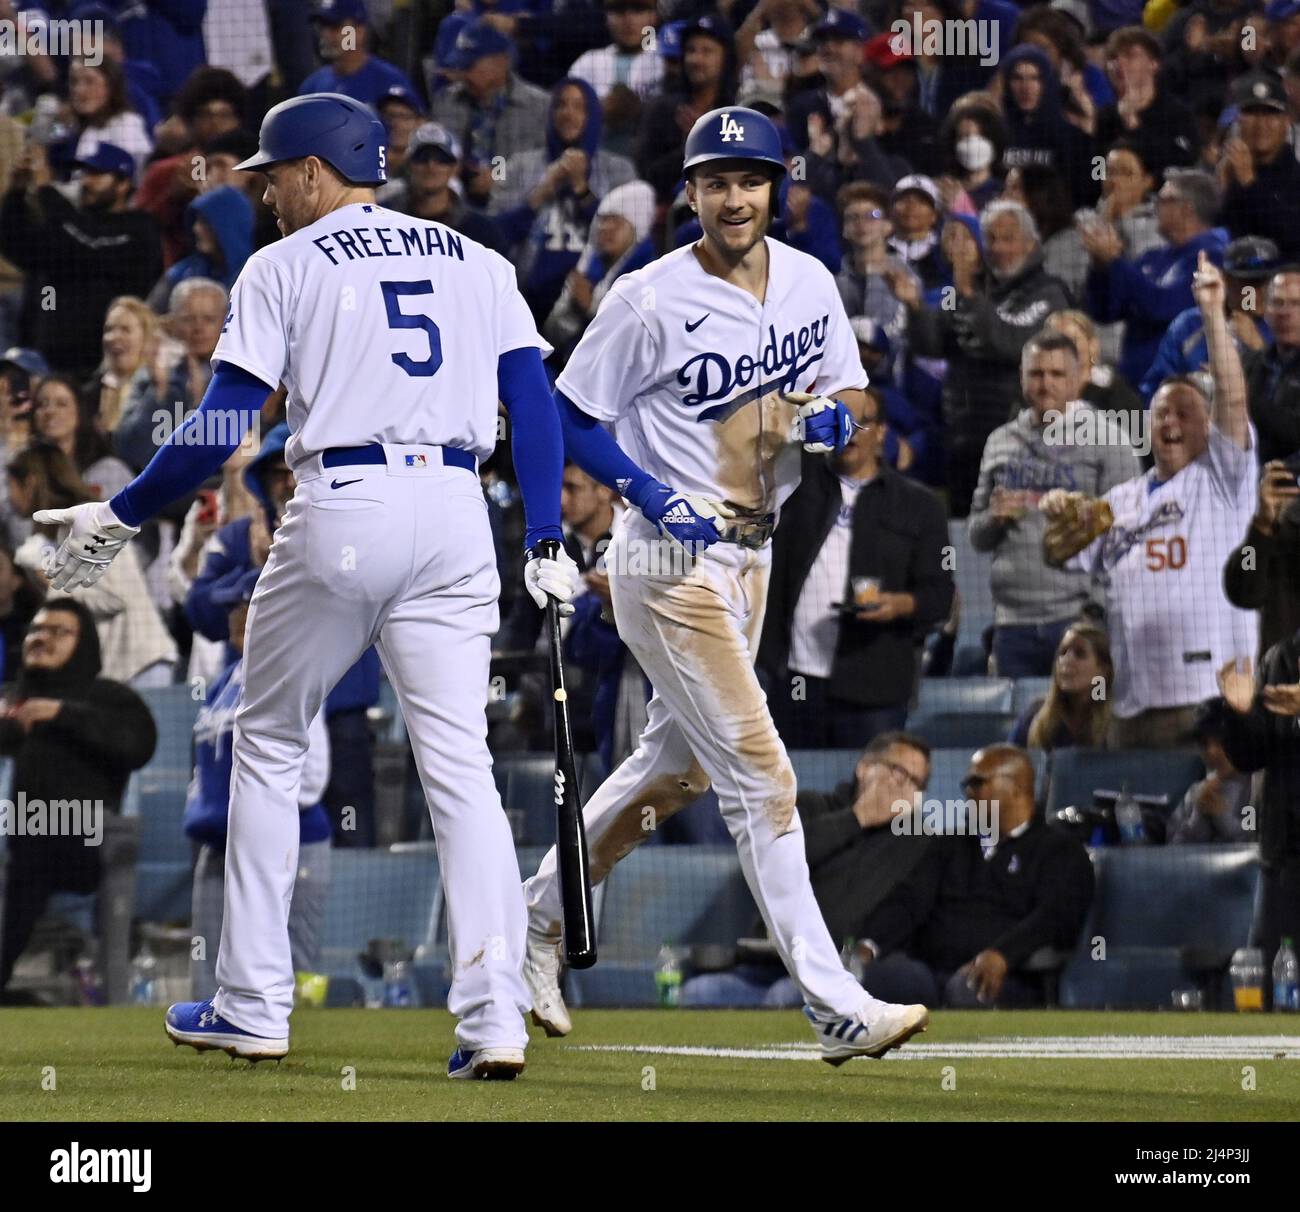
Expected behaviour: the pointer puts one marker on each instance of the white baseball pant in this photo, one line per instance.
(401, 557)
(695, 636)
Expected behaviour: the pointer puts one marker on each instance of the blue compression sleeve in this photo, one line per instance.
(594, 449)
(189, 457)
(536, 444)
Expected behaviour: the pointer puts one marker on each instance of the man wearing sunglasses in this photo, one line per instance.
(959, 930)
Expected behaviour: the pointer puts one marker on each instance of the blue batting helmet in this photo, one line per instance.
(733, 133)
(342, 132)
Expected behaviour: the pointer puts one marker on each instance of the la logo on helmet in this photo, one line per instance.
(731, 129)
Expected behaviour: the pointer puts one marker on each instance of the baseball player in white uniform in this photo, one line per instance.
(395, 338)
(712, 364)
(1162, 559)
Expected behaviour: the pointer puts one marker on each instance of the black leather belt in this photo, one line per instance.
(750, 532)
(353, 456)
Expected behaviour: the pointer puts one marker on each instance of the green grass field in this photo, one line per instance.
(117, 1065)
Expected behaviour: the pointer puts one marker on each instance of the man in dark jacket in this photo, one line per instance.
(1258, 171)
(1273, 373)
(1262, 732)
(75, 738)
(855, 531)
(86, 254)
(1261, 573)
(975, 908)
(1000, 298)
(709, 81)
(856, 859)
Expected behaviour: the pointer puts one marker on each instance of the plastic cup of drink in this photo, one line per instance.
(866, 590)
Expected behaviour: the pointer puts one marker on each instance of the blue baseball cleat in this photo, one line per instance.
(874, 1030)
(200, 1026)
(486, 1064)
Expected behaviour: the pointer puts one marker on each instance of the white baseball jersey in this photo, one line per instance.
(691, 370)
(383, 328)
(1162, 565)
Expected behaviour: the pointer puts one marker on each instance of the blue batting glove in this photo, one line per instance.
(682, 516)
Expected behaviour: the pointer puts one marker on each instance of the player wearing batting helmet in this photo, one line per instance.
(342, 132)
(735, 139)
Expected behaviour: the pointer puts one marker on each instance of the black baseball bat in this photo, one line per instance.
(579, 925)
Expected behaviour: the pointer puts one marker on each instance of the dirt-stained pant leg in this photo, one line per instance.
(695, 636)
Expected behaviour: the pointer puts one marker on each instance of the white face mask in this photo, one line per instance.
(974, 152)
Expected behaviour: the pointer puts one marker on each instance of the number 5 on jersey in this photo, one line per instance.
(397, 318)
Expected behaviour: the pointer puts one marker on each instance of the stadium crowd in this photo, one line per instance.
(1019, 205)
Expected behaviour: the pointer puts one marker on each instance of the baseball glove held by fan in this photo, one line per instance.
(1073, 521)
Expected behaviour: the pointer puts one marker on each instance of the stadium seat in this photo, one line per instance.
(1078, 773)
(823, 769)
(678, 894)
(156, 795)
(380, 894)
(174, 711)
(163, 890)
(1153, 903)
(973, 573)
(965, 729)
(948, 696)
(1027, 690)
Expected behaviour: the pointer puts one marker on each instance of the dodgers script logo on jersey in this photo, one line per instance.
(1120, 540)
(714, 376)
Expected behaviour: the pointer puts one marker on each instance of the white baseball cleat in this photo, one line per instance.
(872, 1031)
(542, 976)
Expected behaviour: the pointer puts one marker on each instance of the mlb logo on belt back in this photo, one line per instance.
(416, 460)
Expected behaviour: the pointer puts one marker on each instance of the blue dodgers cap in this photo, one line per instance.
(402, 95)
(31, 361)
(227, 596)
(714, 25)
(338, 12)
(433, 137)
(840, 23)
(475, 41)
(670, 39)
(108, 158)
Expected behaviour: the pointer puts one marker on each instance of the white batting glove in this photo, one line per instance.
(558, 577)
(90, 535)
(823, 426)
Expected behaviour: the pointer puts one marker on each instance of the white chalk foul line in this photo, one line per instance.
(1052, 1047)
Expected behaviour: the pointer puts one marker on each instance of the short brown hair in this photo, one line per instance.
(1130, 36)
(861, 191)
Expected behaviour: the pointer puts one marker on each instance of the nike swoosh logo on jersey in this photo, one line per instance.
(692, 327)
(344, 483)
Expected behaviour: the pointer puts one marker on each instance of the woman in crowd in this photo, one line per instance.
(971, 141)
(131, 336)
(549, 196)
(103, 113)
(59, 418)
(137, 649)
(1076, 710)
